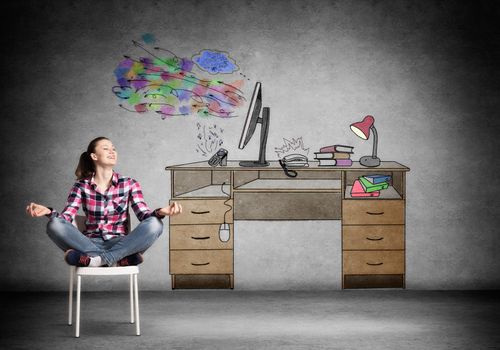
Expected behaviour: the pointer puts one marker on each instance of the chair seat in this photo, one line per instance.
(103, 271)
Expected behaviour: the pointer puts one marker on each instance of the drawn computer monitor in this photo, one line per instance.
(253, 118)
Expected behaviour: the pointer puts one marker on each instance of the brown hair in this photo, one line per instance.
(86, 167)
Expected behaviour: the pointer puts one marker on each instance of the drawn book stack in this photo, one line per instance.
(370, 185)
(335, 155)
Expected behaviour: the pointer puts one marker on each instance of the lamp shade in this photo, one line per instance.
(362, 128)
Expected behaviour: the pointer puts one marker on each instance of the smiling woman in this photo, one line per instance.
(100, 149)
(104, 196)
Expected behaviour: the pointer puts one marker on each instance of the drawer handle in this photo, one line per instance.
(377, 213)
(207, 237)
(374, 239)
(375, 264)
(200, 212)
(203, 264)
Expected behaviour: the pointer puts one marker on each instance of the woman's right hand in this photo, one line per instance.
(35, 210)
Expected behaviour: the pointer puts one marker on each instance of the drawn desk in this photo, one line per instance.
(373, 228)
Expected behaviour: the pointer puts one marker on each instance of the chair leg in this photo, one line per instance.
(70, 296)
(131, 298)
(78, 292)
(137, 319)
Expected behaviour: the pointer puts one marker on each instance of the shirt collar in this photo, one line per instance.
(114, 179)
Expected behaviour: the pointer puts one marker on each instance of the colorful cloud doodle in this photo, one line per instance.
(215, 62)
(167, 86)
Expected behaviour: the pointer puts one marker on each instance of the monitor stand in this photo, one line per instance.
(264, 129)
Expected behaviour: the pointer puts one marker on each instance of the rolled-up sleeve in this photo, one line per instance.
(140, 208)
(72, 205)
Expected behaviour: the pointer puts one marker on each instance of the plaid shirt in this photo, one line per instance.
(106, 212)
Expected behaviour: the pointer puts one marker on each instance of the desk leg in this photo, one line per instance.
(231, 281)
(172, 277)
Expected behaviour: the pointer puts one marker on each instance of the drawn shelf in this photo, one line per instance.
(291, 185)
(210, 191)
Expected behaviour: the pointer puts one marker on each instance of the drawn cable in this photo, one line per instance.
(228, 199)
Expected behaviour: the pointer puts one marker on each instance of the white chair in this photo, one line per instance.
(78, 272)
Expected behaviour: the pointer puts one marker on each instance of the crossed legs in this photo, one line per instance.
(67, 236)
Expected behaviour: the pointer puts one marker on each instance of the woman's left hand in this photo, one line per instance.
(173, 209)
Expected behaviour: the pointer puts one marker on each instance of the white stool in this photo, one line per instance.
(132, 271)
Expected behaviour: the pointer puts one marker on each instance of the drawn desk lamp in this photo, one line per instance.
(362, 129)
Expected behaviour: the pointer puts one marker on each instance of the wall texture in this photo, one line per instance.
(427, 70)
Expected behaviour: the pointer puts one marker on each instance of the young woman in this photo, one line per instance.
(105, 196)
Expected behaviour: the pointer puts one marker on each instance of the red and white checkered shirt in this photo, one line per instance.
(106, 212)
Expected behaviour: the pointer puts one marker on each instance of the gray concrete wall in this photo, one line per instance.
(426, 70)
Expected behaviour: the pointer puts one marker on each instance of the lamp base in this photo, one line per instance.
(369, 161)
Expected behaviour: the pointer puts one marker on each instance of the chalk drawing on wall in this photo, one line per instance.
(164, 83)
(244, 76)
(215, 62)
(295, 146)
(208, 139)
(148, 38)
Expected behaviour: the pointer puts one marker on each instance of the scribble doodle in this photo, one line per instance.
(165, 84)
(208, 139)
(294, 146)
(244, 76)
(215, 62)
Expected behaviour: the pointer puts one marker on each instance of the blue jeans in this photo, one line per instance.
(66, 236)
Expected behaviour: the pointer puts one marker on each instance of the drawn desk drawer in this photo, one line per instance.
(203, 211)
(373, 262)
(373, 211)
(201, 262)
(373, 237)
(198, 237)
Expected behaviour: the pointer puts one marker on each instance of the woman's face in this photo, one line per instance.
(105, 153)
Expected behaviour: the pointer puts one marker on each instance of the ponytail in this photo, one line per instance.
(86, 167)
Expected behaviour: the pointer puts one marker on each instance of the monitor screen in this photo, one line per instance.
(252, 116)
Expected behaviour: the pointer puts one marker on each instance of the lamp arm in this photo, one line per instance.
(375, 141)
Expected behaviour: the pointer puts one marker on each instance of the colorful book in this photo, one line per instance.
(327, 162)
(323, 155)
(337, 148)
(358, 191)
(369, 187)
(344, 162)
(378, 178)
(332, 155)
(334, 162)
(341, 155)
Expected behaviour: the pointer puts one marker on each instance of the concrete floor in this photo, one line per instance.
(219, 319)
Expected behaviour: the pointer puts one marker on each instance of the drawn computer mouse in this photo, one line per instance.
(224, 232)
